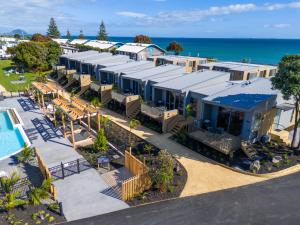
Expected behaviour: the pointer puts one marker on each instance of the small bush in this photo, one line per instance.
(277, 164)
(163, 175)
(101, 143)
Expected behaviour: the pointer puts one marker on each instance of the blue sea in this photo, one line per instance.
(267, 51)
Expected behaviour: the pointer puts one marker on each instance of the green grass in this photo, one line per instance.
(5, 81)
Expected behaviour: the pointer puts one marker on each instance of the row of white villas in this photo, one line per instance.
(228, 102)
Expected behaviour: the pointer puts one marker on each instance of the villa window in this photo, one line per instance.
(231, 121)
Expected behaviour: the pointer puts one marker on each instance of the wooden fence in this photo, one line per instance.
(139, 182)
(46, 173)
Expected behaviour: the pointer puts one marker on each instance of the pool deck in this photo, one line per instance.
(82, 195)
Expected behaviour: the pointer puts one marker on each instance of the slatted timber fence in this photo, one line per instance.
(139, 182)
(46, 173)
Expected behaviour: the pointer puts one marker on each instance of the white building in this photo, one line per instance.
(137, 51)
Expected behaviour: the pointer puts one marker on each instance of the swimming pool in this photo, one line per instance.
(11, 138)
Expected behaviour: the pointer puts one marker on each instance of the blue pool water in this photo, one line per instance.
(11, 140)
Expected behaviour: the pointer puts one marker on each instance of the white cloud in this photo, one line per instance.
(278, 25)
(278, 6)
(131, 14)
(212, 12)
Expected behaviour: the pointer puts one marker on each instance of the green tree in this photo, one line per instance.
(163, 174)
(30, 55)
(36, 56)
(133, 124)
(11, 197)
(53, 53)
(175, 47)
(101, 143)
(26, 155)
(38, 194)
(102, 34)
(40, 38)
(287, 80)
(53, 31)
(69, 37)
(142, 39)
(81, 35)
(17, 36)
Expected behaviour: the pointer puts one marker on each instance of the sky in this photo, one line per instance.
(157, 18)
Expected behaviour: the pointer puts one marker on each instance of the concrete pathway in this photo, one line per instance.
(203, 174)
(273, 202)
(83, 195)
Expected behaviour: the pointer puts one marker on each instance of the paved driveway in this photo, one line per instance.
(275, 202)
(85, 195)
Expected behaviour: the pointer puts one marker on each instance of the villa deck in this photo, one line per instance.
(225, 143)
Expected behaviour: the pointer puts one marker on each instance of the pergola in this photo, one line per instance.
(41, 90)
(74, 110)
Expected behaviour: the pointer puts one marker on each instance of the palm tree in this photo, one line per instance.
(11, 196)
(148, 148)
(7, 183)
(11, 200)
(26, 154)
(133, 124)
(38, 194)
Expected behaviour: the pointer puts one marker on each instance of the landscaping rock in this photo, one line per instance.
(255, 166)
(276, 159)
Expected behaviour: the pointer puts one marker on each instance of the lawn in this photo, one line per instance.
(5, 81)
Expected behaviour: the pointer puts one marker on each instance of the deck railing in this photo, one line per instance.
(118, 96)
(153, 112)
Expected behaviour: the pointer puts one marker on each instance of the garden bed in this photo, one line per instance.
(119, 137)
(89, 95)
(154, 194)
(265, 154)
(28, 214)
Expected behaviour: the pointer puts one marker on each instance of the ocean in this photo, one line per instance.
(266, 51)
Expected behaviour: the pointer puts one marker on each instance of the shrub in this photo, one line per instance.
(163, 175)
(54, 207)
(26, 155)
(277, 164)
(101, 143)
(148, 148)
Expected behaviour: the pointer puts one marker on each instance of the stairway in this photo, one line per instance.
(134, 113)
(180, 123)
(106, 97)
(69, 84)
(83, 89)
(249, 151)
(281, 136)
(133, 108)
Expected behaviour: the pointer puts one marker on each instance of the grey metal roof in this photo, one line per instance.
(244, 96)
(239, 66)
(97, 61)
(100, 56)
(188, 81)
(176, 57)
(211, 87)
(130, 67)
(166, 76)
(79, 55)
(151, 72)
